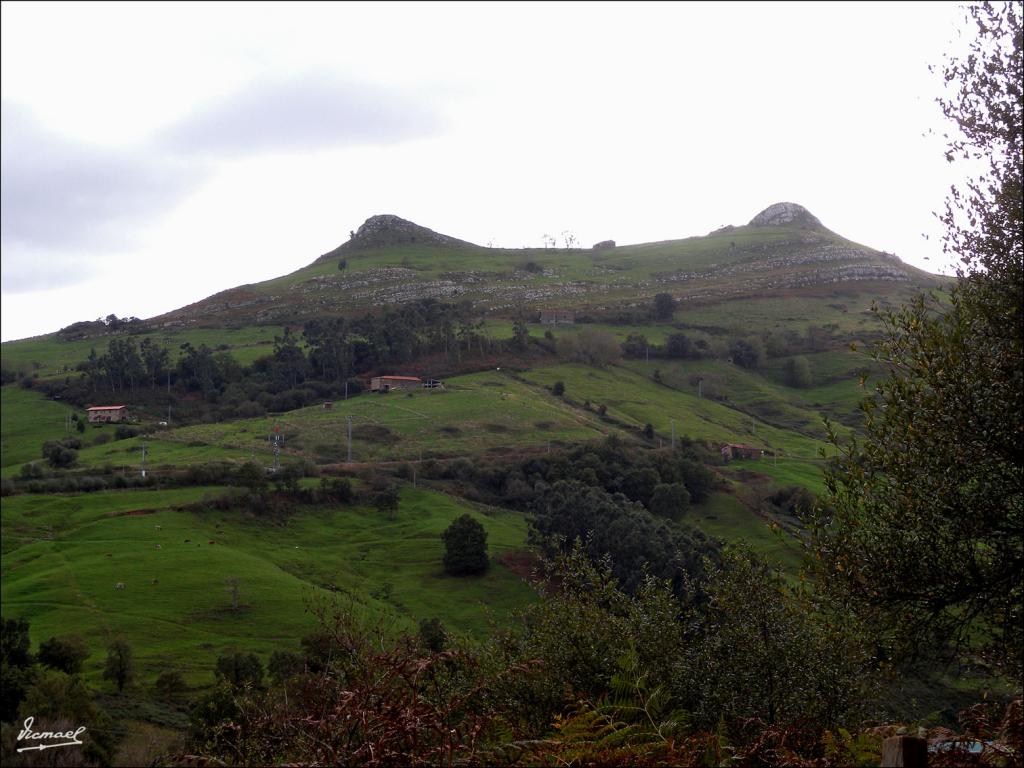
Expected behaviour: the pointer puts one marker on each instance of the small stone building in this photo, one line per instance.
(732, 451)
(557, 316)
(103, 414)
(388, 383)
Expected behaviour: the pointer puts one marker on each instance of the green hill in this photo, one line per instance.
(782, 281)
(390, 260)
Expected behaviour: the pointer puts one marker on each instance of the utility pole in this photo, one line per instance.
(346, 389)
(275, 441)
(144, 446)
(349, 419)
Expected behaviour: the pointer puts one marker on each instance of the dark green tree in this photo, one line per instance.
(698, 479)
(121, 365)
(252, 476)
(318, 650)
(612, 526)
(62, 701)
(197, 369)
(288, 476)
(465, 547)
(797, 371)
(66, 654)
(17, 670)
(763, 652)
(669, 500)
(284, 665)
(635, 345)
(638, 482)
(59, 454)
(386, 501)
(520, 334)
(678, 345)
(155, 360)
(748, 353)
(289, 361)
(240, 670)
(120, 666)
(926, 533)
(558, 389)
(432, 636)
(170, 685)
(664, 306)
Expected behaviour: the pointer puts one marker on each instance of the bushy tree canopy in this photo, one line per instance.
(465, 547)
(926, 535)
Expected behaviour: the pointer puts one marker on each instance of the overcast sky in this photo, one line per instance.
(155, 154)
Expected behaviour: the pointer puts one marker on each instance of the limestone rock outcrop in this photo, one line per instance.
(786, 214)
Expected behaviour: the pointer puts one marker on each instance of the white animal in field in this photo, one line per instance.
(119, 585)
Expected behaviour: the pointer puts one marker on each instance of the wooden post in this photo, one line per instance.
(904, 752)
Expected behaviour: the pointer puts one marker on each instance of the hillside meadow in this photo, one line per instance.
(65, 555)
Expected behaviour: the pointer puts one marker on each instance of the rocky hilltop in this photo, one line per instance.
(786, 215)
(386, 229)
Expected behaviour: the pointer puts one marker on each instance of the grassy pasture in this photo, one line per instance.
(163, 452)
(184, 619)
(477, 413)
(786, 471)
(769, 401)
(52, 357)
(31, 518)
(27, 420)
(655, 333)
(637, 400)
(724, 517)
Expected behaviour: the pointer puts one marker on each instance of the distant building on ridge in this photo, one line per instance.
(102, 414)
